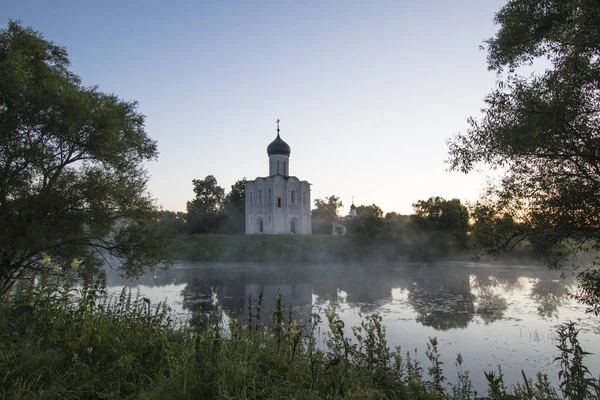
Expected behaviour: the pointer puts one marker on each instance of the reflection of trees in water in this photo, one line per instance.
(213, 290)
(207, 295)
(507, 280)
(548, 294)
(442, 298)
(547, 291)
(365, 288)
(490, 306)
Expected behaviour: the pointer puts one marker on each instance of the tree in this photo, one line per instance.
(375, 236)
(442, 218)
(373, 209)
(234, 208)
(325, 211)
(398, 221)
(203, 210)
(399, 226)
(437, 226)
(72, 183)
(543, 130)
(175, 222)
(369, 228)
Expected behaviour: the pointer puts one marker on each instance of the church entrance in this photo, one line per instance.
(293, 226)
(259, 225)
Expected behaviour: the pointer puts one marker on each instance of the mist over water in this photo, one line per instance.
(490, 313)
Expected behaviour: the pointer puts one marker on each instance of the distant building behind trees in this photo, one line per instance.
(340, 226)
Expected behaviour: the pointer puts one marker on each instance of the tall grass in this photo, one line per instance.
(59, 340)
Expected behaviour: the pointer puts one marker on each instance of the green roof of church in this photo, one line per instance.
(278, 146)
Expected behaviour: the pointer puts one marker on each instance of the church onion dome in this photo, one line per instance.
(352, 207)
(278, 146)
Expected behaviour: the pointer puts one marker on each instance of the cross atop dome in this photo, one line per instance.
(278, 146)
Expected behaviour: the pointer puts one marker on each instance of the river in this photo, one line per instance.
(493, 314)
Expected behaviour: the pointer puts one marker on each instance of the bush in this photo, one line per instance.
(59, 340)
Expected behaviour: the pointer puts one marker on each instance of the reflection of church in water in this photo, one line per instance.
(278, 203)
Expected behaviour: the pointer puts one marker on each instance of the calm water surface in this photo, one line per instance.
(491, 314)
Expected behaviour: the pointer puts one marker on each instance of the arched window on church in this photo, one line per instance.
(260, 196)
(304, 198)
(250, 198)
(293, 197)
(285, 168)
(279, 202)
(269, 218)
(277, 166)
(270, 196)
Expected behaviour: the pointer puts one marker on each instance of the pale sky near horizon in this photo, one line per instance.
(367, 92)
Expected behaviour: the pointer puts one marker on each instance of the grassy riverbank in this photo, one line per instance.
(58, 342)
(263, 248)
(316, 249)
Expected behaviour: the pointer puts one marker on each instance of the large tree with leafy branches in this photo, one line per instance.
(72, 182)
(325, 211)
(372, 209)
(441, 218)
(204, 209)
(542, 130)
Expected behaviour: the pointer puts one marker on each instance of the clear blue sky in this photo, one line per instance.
(367, 91)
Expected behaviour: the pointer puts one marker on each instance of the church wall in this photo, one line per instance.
(277, 220)
(306, 206)
(281, 212)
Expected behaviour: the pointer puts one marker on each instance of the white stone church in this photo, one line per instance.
(278, 203)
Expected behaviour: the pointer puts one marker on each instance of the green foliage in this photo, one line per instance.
(437, 228)
(496, 387)
(325, 211)
(59, 340)
(435, 370)
(463, 389)
(369, 228)
(234, 209)
(576, 382)
(174, 222)
(376, 237)
(542, 130)
(589, 290)
(203, 210)
(398, 222)
(446, 221)
(495, 230)
(372, 209)
(71, 178)
(213, 211)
